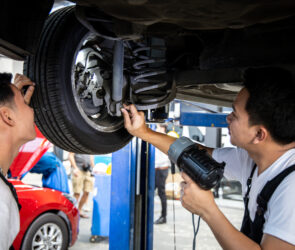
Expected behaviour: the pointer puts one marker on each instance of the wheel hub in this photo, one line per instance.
(91, 81)
(48, 236)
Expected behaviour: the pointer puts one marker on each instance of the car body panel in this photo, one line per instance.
(29, 154)
(195, 14)
(36, 201)
(158, 15)
(21, 23)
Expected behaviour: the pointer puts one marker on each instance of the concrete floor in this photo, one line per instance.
(163, 234)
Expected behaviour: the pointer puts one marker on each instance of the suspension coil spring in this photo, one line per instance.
(149, 84)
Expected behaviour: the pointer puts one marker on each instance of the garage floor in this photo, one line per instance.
(163, 234)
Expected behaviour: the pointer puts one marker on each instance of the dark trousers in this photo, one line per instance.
(161, 176)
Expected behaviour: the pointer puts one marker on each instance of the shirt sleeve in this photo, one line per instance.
(280, 216)
(237, 162)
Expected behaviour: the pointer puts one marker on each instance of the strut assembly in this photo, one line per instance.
(150, 85)
(145, 66)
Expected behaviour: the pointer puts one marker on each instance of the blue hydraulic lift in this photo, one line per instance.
(132, 197)
(217, 120)
(133, 184)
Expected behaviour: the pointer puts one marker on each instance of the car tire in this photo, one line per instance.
(56, 112)
(48, 221)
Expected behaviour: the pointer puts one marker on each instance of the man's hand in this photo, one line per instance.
(135, 124)
(21, 81)
(195, 199)
(134, 121)
(76, 172)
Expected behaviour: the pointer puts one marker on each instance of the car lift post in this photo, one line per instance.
(132, 197)
(203, 119)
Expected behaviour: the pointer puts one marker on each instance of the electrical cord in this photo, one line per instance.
(174, 232)
(195, 230)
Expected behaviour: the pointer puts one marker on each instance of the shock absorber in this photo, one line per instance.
(150, 85)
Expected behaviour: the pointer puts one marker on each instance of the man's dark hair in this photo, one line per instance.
(272, 101)
(6, 92)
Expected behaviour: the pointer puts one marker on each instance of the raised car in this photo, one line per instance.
(89, 58)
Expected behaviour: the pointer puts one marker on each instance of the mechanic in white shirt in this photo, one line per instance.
(16, 128)
(262, 126)
(9, 214)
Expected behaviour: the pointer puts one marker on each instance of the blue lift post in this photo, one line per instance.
(122, 197)
(203, 119)
(132, 197)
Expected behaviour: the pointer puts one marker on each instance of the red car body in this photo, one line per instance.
(37, 201)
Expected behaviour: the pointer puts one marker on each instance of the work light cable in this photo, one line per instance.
(174, 232)
(195, 230)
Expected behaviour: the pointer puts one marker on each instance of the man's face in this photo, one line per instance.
(24, 117)
(241, 134)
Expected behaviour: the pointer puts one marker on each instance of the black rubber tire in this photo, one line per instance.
(56, 113)
(39, 222)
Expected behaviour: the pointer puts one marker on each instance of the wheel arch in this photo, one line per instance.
(25, 17)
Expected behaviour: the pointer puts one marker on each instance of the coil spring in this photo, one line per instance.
(148, 83)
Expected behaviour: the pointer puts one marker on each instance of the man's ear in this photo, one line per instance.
(261, 135)
(7, 116)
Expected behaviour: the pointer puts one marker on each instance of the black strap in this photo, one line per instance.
(249, 183)
(254, 230)
(246, 224)
(269, 189)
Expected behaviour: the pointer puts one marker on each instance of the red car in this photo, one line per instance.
(49, 218)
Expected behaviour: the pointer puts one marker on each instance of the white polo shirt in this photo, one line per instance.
(161, 159)
(9, 217)
(280, 214)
